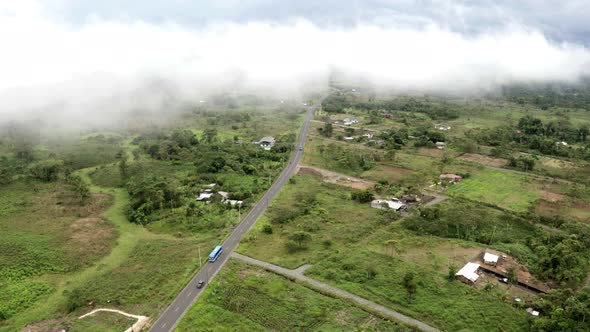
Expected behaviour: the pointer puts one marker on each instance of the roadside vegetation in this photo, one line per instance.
(111, 220)
(246, 298)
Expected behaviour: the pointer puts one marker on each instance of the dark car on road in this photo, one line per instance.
(200, 284)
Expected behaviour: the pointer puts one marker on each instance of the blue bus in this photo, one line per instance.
(215, 254)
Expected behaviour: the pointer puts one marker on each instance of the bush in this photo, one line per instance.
(267, 229)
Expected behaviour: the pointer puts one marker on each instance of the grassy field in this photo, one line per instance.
(323, 210)
(246, 298)
(504, 189)
(43, 234)
(360, 250)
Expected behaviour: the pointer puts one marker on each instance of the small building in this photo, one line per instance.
(532, 312)
(205, 196)
(375, 142)
(468, 273)
(350, 121)
(442, 127)
(440, 145)
(562, 143)
(490, 259)
(266, 142)
(225, 199)
(368, 135)
(451, 177)
(349, 139)
(384, 204)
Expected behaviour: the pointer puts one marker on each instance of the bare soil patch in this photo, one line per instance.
(335, 178)
(441, 256)
(552, 197)
(50, 325)
(431, 152)
(93, 236)
(484, 160)
(391, 173)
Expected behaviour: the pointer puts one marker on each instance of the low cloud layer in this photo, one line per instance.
(102, 68)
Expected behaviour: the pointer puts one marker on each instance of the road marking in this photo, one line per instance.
(189, 293)
(164, 325)
(177, 308)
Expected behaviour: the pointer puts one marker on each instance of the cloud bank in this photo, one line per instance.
(101, 69)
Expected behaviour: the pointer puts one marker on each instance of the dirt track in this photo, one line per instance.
(336, 178)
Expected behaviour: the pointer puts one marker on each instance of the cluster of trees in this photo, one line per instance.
(352, 160)
(550, 95)
(558, 256)
(563, 310)
(337, 102)
(149, 194)
(532, 133)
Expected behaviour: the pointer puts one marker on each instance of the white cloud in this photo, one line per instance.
(102, 67)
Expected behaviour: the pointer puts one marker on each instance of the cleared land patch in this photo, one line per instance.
(247, 298)
(504, 189)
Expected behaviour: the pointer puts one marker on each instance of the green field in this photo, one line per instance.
(504, 189)
(361, 250)
(246, 298)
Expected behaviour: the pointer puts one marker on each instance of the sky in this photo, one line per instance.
(86, 60)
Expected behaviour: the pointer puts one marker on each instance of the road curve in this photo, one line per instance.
(297, 274)
(187, 297)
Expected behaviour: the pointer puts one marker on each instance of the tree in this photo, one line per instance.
(47, 170)
(349, 131)
(300, 237)
(210, 134)
(362, 196)
(79, 187)
(327, 130)
(409, 283)
(512, 275)
(451, 272)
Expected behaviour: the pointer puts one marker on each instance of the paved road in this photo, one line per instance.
(298, 274)
(187, 297)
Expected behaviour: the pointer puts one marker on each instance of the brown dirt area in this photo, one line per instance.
(335, 178)
(484, 160)
(440, 256)
(431, 152)
(391, 173)
(552, 197)
(50, 325)
(506, 262)
(93, 236)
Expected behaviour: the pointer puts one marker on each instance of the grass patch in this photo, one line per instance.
(245, 298)
(504, 189)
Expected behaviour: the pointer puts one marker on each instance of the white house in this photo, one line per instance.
(440, 145)
(368, 135)
(468, 273)
(350, 121)
(225, 199)
(393, 204)
(266, 142)
(490, 259)
(205, 195)
(442, 127)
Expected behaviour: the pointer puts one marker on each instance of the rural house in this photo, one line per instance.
(350, 121)
(205, 195)
(266, 142)
(490, 259)
(440, 145)
(468, 273)
(442, 127)
(393, 204)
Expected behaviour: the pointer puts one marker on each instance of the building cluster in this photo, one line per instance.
(206, 195)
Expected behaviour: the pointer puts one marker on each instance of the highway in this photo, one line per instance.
(189, 295)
